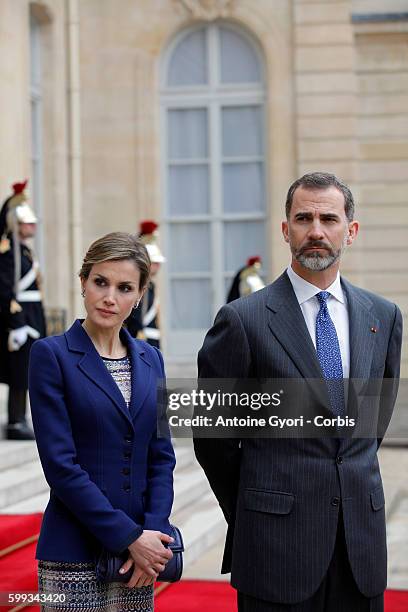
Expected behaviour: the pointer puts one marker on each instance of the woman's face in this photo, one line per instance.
(111, 291)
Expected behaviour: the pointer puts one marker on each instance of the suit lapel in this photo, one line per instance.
(361, 323)
(95, 370)
(141, 374)
(287, 324)
(93, 367)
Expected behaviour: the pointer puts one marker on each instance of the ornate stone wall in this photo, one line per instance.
(337, 93)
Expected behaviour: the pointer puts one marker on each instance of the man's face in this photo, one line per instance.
(26, 230)
(154, 268)
(318, 230)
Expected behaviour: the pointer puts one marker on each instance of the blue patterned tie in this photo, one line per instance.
(328, 353)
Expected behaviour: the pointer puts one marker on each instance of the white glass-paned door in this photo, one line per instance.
(188, 133)
(242, 240)
(189, 248)
(188, 190)
(191, 307)
(188, 177)
(213, 175)
(242, 131)
(188, 65)
(239, 61)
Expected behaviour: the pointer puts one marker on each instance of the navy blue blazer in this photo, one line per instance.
(110, 475)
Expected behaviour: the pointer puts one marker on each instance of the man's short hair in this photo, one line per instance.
(322, 180)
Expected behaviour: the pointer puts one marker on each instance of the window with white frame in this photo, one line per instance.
(37, 164)
(214, 172)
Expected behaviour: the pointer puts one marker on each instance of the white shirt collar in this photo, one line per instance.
(305, 290)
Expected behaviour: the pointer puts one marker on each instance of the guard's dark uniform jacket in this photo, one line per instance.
(144, 321)
(234, 292)
(246, 281)
(14, 364)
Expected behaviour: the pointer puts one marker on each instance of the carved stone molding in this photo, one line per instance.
(207, 9)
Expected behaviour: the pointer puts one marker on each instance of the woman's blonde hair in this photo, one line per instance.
(118, 246)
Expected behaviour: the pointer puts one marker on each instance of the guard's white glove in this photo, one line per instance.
(18, 337)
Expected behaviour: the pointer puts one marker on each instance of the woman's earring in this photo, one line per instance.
(83, 292)
(136, 305)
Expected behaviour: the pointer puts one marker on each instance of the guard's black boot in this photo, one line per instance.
(19, 431)
(17, 428)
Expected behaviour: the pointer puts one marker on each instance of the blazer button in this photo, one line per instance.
(126, 471)
(128, 438)
(126, 488)
(335, 501)
(339, 460)
(127, 454)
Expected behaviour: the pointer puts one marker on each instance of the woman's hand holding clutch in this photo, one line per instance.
(149, 557)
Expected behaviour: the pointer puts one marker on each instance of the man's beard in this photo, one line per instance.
(315, 260)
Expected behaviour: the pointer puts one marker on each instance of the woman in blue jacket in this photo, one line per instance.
(93, 393)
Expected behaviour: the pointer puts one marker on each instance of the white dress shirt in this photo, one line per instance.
(337, 305)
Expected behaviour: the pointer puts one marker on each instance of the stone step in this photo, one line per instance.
(190, 485)
(23, 487)
(35, 503)
(202, 525)
(184, 457)
(20, 483)
(14, 453)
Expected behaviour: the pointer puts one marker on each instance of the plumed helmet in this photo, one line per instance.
(16, 209)
(255, 259)
(148, 234)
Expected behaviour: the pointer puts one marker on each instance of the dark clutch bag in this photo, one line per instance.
(108, 564)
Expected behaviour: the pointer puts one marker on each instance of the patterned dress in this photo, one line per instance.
(77, 582)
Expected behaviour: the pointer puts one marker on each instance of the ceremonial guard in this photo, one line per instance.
(144, 321)
(21, 313)
(247, 280)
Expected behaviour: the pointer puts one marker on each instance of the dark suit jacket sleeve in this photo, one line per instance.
(160, 473)
(391, 373)
(68, 481)
(225, 354)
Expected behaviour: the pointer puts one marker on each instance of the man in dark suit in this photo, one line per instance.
(306, 521)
